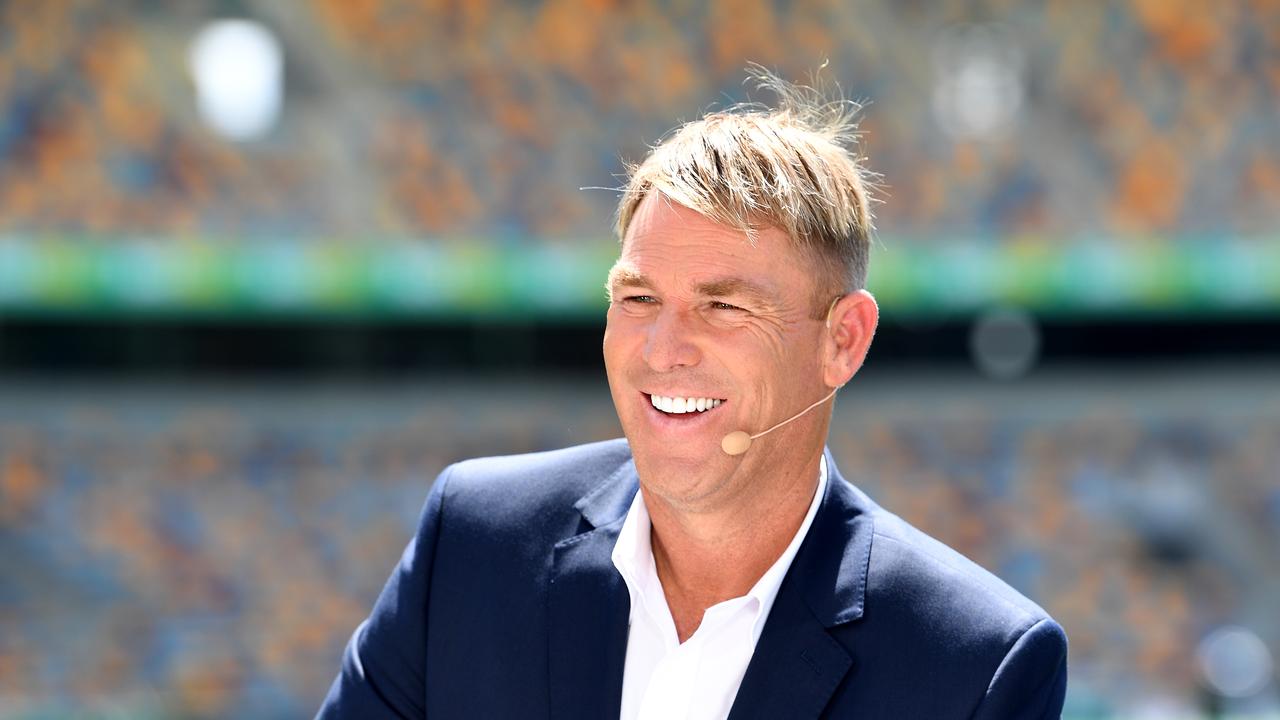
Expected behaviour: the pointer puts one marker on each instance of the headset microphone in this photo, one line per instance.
(737, 442)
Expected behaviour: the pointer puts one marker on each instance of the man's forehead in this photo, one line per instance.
(668, 245)
(657, 213)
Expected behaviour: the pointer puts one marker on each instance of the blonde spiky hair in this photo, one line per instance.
(794, 167)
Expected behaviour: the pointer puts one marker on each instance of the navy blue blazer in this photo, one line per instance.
(507, 605)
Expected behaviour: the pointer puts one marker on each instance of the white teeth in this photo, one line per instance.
(681, 405)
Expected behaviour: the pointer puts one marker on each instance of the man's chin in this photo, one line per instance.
(683, 474)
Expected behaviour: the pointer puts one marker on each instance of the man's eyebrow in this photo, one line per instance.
(620, 277)
(627, 277)
(722, 287)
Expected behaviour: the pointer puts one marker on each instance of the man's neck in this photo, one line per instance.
(706, 557)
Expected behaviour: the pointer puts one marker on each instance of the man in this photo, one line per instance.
(715, 563)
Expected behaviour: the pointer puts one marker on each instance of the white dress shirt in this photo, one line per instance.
(664, 679)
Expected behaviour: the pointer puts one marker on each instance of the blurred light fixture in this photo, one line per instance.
(1235, 661)
(1005, 343)
(238, 68)
(978, 87)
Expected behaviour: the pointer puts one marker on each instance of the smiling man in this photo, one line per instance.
(714, 563)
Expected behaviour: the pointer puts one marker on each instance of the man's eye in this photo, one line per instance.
(639, 299)
(724, 306)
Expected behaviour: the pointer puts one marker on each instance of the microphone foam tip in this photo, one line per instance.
(735, 443)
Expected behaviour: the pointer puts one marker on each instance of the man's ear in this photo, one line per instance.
(851, 324)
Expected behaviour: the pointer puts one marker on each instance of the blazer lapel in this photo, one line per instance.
(588, 607)
(797, 665)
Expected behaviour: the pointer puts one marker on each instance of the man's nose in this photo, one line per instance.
(671, 341)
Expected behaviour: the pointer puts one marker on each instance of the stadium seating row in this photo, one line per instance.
(1134, 119)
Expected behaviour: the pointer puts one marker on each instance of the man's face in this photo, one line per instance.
(700, 312)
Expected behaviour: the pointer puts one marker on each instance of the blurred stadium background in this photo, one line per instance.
(265, 268)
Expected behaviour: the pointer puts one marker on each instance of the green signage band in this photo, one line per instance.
(421, 279)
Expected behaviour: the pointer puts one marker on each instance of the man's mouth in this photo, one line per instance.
(684, 405)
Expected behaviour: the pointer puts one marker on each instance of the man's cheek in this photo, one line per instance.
(764, 338)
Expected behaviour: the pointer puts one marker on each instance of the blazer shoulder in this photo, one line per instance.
(954, 628)
(930, 579)
(511, 490)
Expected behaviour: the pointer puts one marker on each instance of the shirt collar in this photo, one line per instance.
(633, 556)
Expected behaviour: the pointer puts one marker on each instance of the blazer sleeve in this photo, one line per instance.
(1031, 681)
(383, 670)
